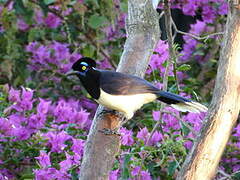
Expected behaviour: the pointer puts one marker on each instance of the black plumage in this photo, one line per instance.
(124, 92)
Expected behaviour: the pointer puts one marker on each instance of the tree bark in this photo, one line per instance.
(142, 35)
(203, 160)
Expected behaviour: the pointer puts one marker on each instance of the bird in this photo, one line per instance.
(126, 93)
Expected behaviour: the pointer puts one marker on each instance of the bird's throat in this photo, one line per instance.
(91, 82)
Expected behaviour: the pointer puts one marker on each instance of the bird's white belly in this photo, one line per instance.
(127, 104)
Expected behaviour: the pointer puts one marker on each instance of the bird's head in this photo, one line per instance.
(82, 66)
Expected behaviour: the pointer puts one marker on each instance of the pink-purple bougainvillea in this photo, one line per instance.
(44, 123)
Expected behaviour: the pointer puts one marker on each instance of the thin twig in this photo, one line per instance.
(169, 36)
(193, 35)
(172, 53)
(226, 176)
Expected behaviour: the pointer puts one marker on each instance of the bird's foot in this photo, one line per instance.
(123, 121)
(108, 111)
(107, 131)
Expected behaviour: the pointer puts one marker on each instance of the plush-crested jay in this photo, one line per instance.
(126, 93)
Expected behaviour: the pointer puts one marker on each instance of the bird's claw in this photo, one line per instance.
(107, 131)
(105, 111)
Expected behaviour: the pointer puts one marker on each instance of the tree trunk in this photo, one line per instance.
(142, 35)
(202, 162)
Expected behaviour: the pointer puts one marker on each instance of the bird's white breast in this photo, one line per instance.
(127, 104)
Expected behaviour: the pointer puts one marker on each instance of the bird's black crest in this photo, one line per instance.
(87, 60)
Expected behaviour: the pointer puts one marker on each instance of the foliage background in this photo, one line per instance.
(45, 117)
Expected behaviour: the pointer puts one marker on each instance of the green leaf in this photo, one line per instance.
(88, 51)
(47, 2)
(27, 13)
(43, 6)
(126, 173)
(124, 7)
(96, 21)
(172, 166)
(236, 176)
(184, 67)
(185, 129)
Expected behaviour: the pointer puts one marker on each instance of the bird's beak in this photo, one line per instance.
(71, 73)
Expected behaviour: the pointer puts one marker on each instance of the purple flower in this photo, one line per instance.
(50, 173)
(81, 118)
(208, 13)
(27, 94)
(114, 32)
(72, 113)
(22, 133)
(196, 120)
(157, 60)
(145, 175)
(189, 8)
(18, 120)
(113, 175)
(52, 21)
(5, 126)
(78, 146)
(66, 164)
(156, 115)
(74, 57)
(104, 64)
(23, 104)
(39, 17)
(237, 131)
(36, 121)
(32, 47)
(188, 144)
(126, 137)
(43, 106)
(7, 174)
(143, 134)
(156, 137)
(22, 25)
(14, 95)
(61, 50)
(44, 159)
(54, 53)
(136, 171)
(88, 104)
(170, 121)
(57, 140)
(63, 112)
(223, 8)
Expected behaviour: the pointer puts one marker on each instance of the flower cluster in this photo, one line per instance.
(28, 117)
(56, 53)
(42, 134)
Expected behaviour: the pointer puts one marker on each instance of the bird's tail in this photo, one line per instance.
(180, 103)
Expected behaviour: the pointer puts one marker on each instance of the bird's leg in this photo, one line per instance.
(123, 121)
(115, 131)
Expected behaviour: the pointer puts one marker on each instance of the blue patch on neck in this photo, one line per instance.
(84, 63)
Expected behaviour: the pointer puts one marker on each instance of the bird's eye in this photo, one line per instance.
(84, 68)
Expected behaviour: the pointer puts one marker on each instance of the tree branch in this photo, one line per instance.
(193, 35)
(142, 35)
(223, 111)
